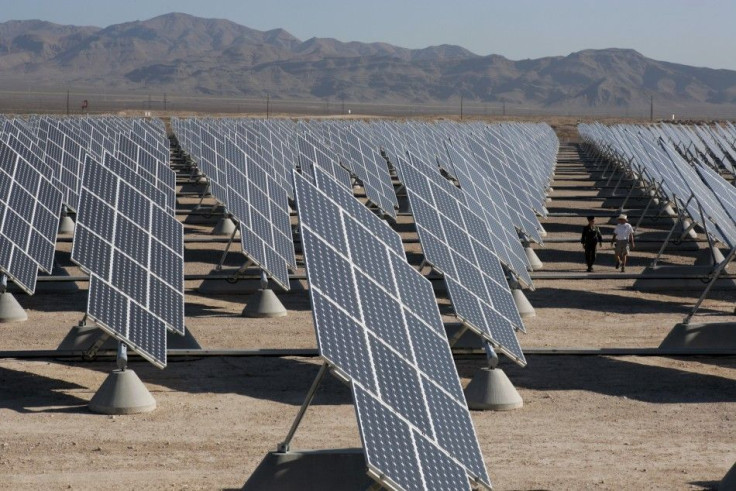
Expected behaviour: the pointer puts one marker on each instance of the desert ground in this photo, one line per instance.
(588, 421)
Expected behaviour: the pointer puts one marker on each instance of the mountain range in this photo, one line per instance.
(187, 55)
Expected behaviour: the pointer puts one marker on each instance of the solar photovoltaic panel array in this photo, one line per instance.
(378, 324)
(313, 155)
(144, 163)
(484, 195)
(453, 239)
(658, 160)
(29, 216)
(365, 161)
(247, 181)
(260, 204)
(133, 249)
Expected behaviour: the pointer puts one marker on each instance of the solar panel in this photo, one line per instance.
(30, 206)
(453, 238)
(261, 205)
(133, 250)
(368, 165)
(380, 327)
(313, 155)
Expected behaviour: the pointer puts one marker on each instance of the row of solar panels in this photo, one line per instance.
(504, 169)
(711, 144)
(115, 174)
(656, 155)
(237, 156)
(379, 326)
(377, 320)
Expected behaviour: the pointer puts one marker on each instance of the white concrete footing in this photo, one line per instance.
(10, 309)
(522, 303)
(491, 390)
(225, 226)
(264, 303)
(122, 392)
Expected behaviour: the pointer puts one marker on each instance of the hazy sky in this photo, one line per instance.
(693, 32)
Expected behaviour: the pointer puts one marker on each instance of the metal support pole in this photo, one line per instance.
(719, 269)
(3, 284)
(227, 248)
(711, 244)
(628, 195)
(463, 329)
(644, 212)
(666, 241)
(122, 358)
(285, 445)
(618, 183)
(491, 355)
(204, 193)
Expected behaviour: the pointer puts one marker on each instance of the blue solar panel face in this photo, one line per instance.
(347, 201)
(256, 199)
(455, 249)
(483, 194)
(368, 165)
(134, 251)
(30, 206)
(381, 328)
(387, 441)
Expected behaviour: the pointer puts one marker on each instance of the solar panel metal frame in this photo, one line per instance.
(133, 250)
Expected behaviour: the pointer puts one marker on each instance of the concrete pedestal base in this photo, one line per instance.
(122, 392)
(665, 284)
(66, 226)
(709, 256)
(534, 261)
(10, 309)
(342, 469)
(522, 303)
(225, 226)
(491, 390)
(729, 480)
(712, 335)
(264, 303)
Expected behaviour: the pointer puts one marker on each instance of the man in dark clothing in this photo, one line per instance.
(590, 240)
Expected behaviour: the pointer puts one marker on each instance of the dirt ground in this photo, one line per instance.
(604, 422)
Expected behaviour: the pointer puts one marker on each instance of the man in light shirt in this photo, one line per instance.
(623, 235)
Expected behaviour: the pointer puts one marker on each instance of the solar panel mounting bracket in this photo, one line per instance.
(382, 482)
(227, 247)
(285, 445)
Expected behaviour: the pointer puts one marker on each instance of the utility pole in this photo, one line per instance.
(164, 101)
(268, 105)
(67, 103)
(461, 107)
(651, 108)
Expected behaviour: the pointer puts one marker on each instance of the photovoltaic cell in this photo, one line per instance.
(482, 301)
(383, 331)
(29, 209)
(133, 250)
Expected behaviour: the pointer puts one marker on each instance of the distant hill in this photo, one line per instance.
(183, 54)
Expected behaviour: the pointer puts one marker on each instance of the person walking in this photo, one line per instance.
(623, 236)
(590, 239)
